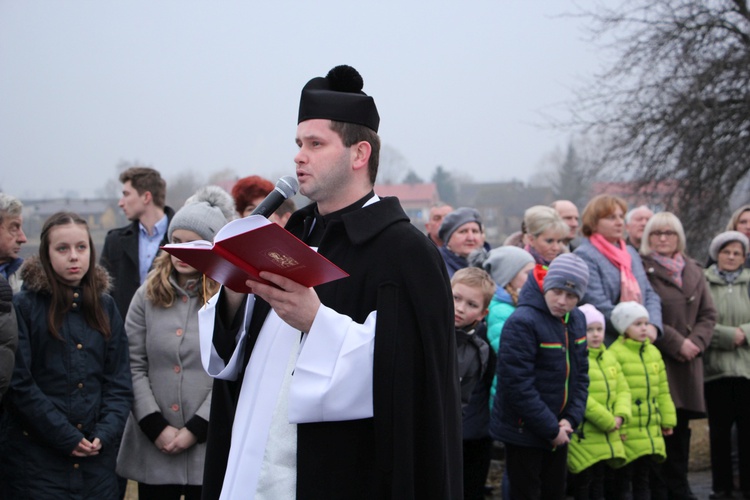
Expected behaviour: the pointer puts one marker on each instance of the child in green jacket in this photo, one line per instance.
(596, 443)
(653, 412)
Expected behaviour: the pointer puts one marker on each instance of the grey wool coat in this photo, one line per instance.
(168, 377)
(687, 312)
(603, 291)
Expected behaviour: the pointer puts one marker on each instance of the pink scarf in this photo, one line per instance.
(674, 265)
(618, 255)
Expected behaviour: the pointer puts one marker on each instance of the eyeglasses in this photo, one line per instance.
(667, 234)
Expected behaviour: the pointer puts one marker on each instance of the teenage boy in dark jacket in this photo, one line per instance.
(542, 373)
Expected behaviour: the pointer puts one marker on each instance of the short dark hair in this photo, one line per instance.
(147, 179)
(351, 134)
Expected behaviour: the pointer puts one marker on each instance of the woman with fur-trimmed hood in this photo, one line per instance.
(71, 392)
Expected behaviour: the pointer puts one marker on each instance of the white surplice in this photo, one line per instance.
(331, 381)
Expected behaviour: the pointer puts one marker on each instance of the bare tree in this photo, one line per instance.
(225, 174)
(393, 165)
(182, 187)
(675, 106)
(113, 188)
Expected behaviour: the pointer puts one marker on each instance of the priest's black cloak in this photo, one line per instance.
(411, 448)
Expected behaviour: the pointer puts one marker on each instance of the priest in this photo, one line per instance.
(349, 389)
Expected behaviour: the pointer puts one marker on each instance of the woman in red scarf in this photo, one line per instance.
(688, 317)
(616, 273)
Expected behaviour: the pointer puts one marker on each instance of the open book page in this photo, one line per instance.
(239, 226)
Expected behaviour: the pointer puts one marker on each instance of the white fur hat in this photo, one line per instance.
(625, 313)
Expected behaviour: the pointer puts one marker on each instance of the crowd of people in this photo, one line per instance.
(585, 345)
(667, 343)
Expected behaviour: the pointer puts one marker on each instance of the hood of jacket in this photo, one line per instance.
(36, 280)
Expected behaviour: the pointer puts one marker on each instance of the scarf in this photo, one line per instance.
(673, 265)
(728, 276)
(537, 256)
(619, 257)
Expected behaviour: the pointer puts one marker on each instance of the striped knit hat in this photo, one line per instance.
(568, 272)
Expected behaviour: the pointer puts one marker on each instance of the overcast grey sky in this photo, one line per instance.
(203, 86)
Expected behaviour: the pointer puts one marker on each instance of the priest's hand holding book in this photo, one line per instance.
(296, 304)
(254, 255)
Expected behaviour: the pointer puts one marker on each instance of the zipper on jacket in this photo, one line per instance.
(648, 397)
(606, 405)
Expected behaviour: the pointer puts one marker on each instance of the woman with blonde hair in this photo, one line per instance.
(164, 443)
(688, 318)
(545, 233)
(615, 268)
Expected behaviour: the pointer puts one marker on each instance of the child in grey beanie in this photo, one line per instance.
(204, 213)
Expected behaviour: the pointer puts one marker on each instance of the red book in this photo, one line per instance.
(245, 247)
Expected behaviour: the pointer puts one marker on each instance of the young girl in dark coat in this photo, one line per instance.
(71, 389)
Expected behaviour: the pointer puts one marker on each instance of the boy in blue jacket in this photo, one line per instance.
(542, 375)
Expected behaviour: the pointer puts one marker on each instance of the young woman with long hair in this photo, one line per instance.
(71, 389)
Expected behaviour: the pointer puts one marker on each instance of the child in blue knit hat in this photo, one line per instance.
(543, 369)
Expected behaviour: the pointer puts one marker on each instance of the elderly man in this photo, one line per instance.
(437, 214)
(635, 223)
(349, 389)
(569, 213)
(11, 239)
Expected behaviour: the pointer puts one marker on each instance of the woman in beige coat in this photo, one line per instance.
(688, 318)
(163, 447)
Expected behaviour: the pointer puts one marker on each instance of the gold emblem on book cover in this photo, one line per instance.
(281, 260)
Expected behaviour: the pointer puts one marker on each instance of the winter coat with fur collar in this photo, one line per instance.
(61, 392)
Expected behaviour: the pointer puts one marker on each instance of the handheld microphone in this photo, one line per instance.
(286, 187)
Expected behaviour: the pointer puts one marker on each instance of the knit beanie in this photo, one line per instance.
(456, 219)
(502, 263)
(568, 272)
(203, 213)
(593, 315)
(625, 313)
(725, 238)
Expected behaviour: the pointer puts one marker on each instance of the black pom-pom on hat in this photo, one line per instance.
(344, 78)
(338, 97)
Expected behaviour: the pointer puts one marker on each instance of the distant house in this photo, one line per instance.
(416, 199)
(100, 213)
(502, 205)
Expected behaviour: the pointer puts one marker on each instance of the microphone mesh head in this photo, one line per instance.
(288, 186)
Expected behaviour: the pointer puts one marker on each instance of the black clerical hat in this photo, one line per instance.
(338, 97)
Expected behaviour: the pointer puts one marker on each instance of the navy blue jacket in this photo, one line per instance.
(542, 372)
(62, 391)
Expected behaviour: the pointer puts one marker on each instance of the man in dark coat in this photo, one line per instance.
(129, 251)
(368, 404)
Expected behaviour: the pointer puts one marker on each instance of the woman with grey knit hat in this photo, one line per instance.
(461, 233)
(163, 447)
(726, 363)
